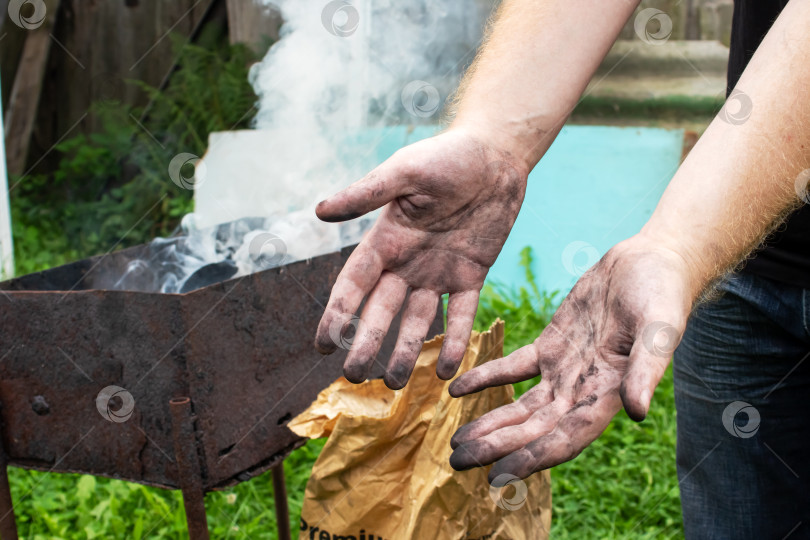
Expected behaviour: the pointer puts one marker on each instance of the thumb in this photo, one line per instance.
(649, 359)
(377, 188)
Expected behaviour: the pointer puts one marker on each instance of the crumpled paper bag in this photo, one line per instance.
(384, 472)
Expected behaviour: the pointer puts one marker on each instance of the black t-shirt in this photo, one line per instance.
(785, 256)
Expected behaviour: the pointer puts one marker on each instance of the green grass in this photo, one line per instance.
(51, 506)
(622, 486)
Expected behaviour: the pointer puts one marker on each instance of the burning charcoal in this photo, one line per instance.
(198, 257)
(208, 275)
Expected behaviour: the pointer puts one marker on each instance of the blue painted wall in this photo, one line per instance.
(595, 187)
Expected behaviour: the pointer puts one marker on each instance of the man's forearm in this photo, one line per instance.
(537, 61)
(739, 180)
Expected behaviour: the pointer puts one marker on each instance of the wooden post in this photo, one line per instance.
(6, 245)
(22, 109)
(252, 22)
(692, 23)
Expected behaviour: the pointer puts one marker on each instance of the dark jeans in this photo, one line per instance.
(742, 391)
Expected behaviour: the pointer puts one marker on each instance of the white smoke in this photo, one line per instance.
(341, 81)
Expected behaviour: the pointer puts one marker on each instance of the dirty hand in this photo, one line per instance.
(608, 345)
(450, 202)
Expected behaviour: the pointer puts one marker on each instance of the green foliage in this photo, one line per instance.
(526, 310)
(111, 188)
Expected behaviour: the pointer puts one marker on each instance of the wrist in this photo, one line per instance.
(693, 273)
(523, 147)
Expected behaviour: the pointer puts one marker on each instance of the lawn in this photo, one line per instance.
(623, 486)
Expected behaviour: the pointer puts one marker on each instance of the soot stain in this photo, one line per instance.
(397, 375)
(345, 216)
(586, 402)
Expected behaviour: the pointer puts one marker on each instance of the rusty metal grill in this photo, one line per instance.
(215, 374)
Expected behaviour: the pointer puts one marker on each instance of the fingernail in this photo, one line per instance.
(325, 348)
(507, 465)
(354, 374)
(396, 378)
(462, 459)
(455, 390)
(645, 397)
(459, 436)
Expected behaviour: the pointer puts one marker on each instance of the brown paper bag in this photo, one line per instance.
(384, 472)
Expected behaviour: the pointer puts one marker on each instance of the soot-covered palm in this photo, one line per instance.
(449, 204)
(607, 346)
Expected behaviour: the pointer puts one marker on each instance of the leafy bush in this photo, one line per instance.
(111, 189)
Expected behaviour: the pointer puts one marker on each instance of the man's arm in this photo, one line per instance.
(533, 69)
(612, 338)
(450, 201)
(739, 180)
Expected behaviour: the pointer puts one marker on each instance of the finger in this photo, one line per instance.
(355, 281)
(461, 308)
(578, 428)
(648, 361)
(420, 310)
(506, 415)
(380, 186)
(520, 365)
(382, 306)
(505, 440)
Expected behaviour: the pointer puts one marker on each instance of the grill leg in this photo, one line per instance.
(188, 467)
(280, 495)
(8, 522)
